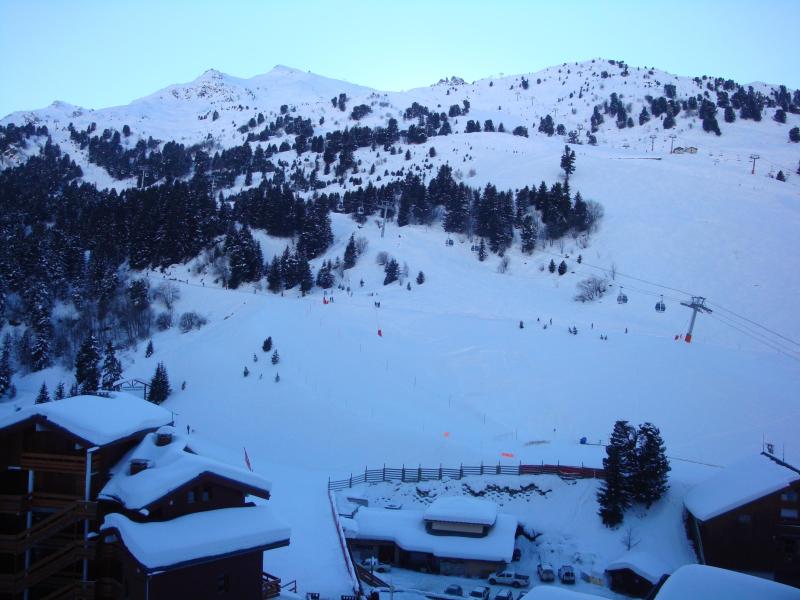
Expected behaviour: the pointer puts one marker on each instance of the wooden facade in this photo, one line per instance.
(628, 582)
(390, 553)
(50, 480)
(762, 536)
(235, 577)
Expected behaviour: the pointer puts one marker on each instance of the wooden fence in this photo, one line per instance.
(420, 473)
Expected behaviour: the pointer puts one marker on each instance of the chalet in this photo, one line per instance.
(635, 573)
(700, 582)
(453, 536)
(747, 518)
(98, 493)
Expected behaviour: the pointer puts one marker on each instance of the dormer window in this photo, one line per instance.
(190, 497)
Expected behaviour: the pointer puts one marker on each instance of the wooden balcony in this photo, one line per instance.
(57, 463)
(270, 586)
(49, 566)
(49, 527)
(13, 503)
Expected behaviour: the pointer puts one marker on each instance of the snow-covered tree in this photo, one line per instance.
(650, 478)
(619, 465)
(87, 371)
(44, 395)
(112, 368)
(159, 385)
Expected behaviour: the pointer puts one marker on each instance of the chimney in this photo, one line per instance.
(137, 465)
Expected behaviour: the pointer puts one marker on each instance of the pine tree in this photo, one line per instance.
(420, 278)
(246, 371)
(615, 494)
(350, 253)
(149, 350)
(780, 176)
(274, 277)
(306, 279)
(528, 234)
(112, 368)
(276, 357)
(794, 134)
(44, 395)
(5, 366)
(552, 266)
(59, 393)
(650, 478)
(568, 161)
(392, 270)
(159, 385)
(562, 268)
(87, 372)
(482, 253)
(267, 345)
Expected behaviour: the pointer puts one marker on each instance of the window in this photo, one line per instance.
(190, 497)
(206, 494)
(223, 584)
(745, 519)
(790, 496)
(789, 513)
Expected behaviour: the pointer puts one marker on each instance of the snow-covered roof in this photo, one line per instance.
(462, 509)
(406, 528)
(737, 485)
(199, 536)
(642, 563)
(699, 582)
(168, 468)
(546, 592)
(96, 420)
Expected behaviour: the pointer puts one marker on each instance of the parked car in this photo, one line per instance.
(481, 593)
(566, 574)
(373, 565)
(454, 590)
(546, 572)
(504, 595)
(511, 578)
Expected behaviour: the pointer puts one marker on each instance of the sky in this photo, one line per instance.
(105, 53)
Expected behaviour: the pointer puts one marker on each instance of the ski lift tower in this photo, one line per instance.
(697, 304)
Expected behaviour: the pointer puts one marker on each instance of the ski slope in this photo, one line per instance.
(453, 379)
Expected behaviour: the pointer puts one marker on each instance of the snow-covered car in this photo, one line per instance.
(511, 578)
(566, 574)
(454, 590)
(504, 595)
(481, 593)
(546, 572)
(373, 565)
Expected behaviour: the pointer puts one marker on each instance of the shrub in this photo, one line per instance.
(191, 320)
(164, 321)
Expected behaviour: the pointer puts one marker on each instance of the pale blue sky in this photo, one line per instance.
(104, 53)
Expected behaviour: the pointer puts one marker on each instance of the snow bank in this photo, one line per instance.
(699, 582)
(96, 420)
(642, 563)
(462, 509)
(170, 467)
(198, 536)
(406, 528)
(737, 485)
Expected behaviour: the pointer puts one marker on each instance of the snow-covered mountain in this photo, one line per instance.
(453, 377)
